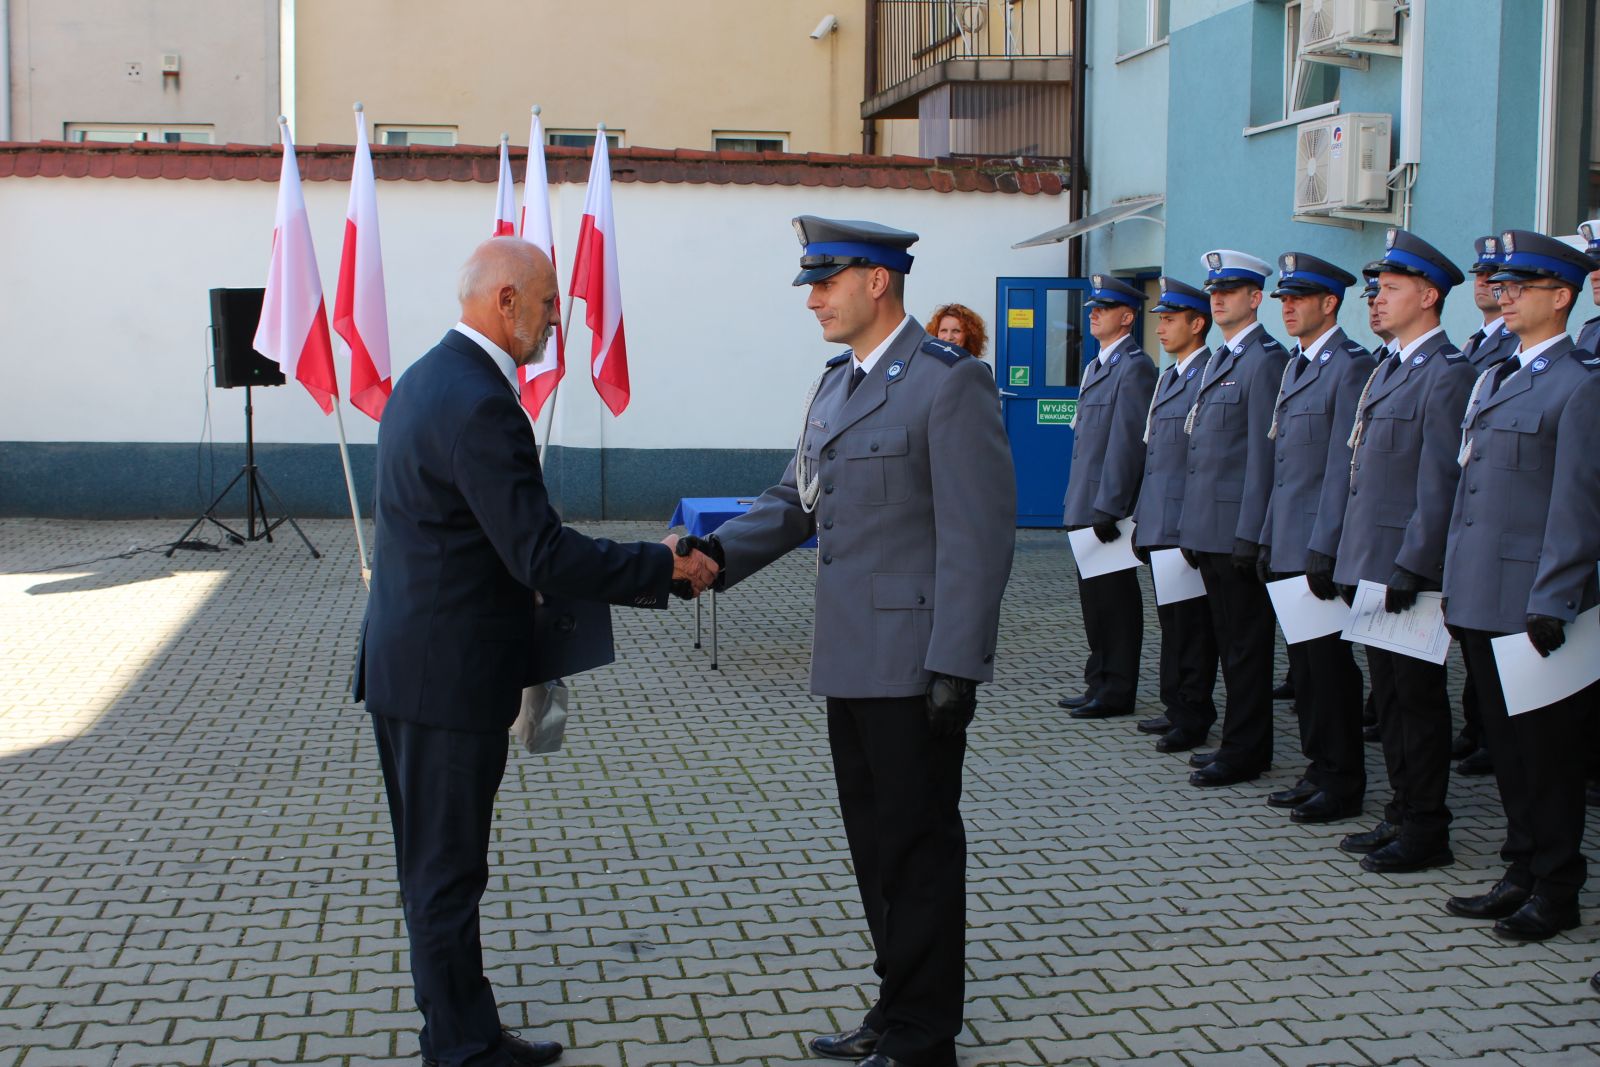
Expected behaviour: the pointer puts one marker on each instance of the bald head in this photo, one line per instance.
(508, 293)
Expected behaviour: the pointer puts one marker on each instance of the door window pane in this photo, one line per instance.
(1575, 155)
(1063, 337)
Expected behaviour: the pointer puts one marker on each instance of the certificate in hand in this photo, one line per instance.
(1095, 558)
(1418, 632)
(1301, 615)
(1531, 681)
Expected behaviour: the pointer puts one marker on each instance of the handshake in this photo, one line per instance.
(696, 563)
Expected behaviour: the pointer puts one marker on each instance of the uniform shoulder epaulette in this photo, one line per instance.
(840, 358)
(1593, 363)
(1353, 350)
(1270, 342)
(1452, 355)
(945, 351)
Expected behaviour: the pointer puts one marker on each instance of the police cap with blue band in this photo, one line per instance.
(1526, 254)
(1370, 272)
(1591, 233)
(1487, 252)
(832, 245)
(1107, 291)
(1303, 275)
(1227, 269)
(1178, 296)
(1406, 253)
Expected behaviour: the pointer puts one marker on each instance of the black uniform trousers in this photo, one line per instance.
(1327, 687)
(1113, 623)
(1539, 763)
(900, 796)
(1241, 613)
(1414, 725)
(1471, 723)
(441, 786)
(1188, 665)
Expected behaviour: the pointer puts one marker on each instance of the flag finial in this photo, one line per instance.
(505, 138)
(537, 109)
(283, 120)
(601, 127)
(359, 108)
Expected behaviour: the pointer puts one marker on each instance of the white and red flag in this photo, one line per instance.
(539, 379)
(360, 311)
(293, 330)
(505, 200)
(595, 282)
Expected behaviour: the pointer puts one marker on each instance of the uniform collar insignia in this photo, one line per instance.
(1114, 357)
(1325, 356)
(1539, 364)
(895, 368)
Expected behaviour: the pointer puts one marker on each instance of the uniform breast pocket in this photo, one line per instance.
(1220, 408)
(1308, 421)
(1514, 442)
(1392, 425)
(1170, 427)
(1094, 409)
(876, 468)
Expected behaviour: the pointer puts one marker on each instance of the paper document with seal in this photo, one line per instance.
(1418, 632)
(1301, 615)
(1531, 681)
(1096, 558)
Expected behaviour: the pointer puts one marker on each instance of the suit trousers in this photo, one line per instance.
(1414, 724)
(441, 786)
(1471, 723)
(900, 796)
(1188, 665)
(1327, 686)
(1539, 763)
(1241, 613)
(1113, 622)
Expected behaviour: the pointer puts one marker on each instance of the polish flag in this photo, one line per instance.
(294, 316)
(538, 380)
(595, 282)
(505, 216)
(360, 312)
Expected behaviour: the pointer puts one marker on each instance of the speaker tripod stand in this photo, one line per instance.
(256, 490)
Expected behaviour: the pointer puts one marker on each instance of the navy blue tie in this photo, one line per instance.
(857, 376)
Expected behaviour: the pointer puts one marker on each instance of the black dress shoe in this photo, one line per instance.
(1074, 702)
(1221, 772)
(1098, 709)
(1370, 735)
(1176, 740)
(1284, 690)
(1370, 840)
(1201, 759)
(1539, 919)
(1158, 725)
(1462, 747)
(1502, 899)
(1294, 796)
(1594, 981)
(522, 1053)
(850, 1045)
(878, 1059)
(1477, 764)
(1406, 857)
(1325, 808)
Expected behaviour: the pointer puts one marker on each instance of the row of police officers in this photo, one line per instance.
(1420, 467)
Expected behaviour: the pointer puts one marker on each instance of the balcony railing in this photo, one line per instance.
(914, 37)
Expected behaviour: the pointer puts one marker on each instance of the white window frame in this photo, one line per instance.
(1152, 16)
(740, 135)
(1296, 70)
(141, 132)
(614, 138)
(382, 131)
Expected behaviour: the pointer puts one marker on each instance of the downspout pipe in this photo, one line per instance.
(5, 70)
(1078, 188)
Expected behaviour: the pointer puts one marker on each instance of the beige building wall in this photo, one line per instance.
(666, 74)
(99, 62)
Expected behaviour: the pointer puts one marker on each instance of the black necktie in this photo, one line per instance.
(1502, 371)
(1300, 362)
(857, 376)
(1391, 365)
(1474, 341)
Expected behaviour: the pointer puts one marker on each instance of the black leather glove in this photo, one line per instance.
(1402, 592)
(1546, 634)
(689, 543)
(1319, 576)
(951, 704)
(1264, 565)
(1245, 555)
(1105, 527)
(1142, 554)
(1191, 557)
(1347, 593)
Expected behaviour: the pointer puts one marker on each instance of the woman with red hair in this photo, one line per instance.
(960, 325)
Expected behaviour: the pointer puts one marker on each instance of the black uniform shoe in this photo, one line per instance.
(1073, 702)
(850, 1045)
(1462, 747)
(1220, 772)
(1370, 735)
(1324, 808)
(521, 1053)
(1370, 840)
(1158, 725)
(1539, 919)
(1594, 982)
(1502, 899)
(1201, 759)
(1098, 709)
(1405, 857)
(1477, 764)
(880, 1060)
(1284, 690)
(1294, 796)
(1176, 740)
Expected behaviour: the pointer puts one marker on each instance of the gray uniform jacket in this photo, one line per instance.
(1230, 455)
(1107, 450)
(1166, 458)
(1403, 479)
(1526, 529)
(1589, 336)
(1311, 453)
(915, 521)
(1491, 350)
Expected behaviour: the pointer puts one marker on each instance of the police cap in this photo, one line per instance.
(832, 245)
(1303, 275)
(1406, 253)
(1526, 254)
(1178, 296)
(1487, 256)
(1109, 291)
(1227, 269)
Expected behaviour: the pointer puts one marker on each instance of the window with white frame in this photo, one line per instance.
(581, 138)
(400, 136)
(1307, 86)
(738, 141)
(136, 132)
(1572, 126)
(1141, 24)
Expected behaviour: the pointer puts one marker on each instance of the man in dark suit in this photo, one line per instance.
(465, 535)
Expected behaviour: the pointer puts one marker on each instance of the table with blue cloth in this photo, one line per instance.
(700, 516)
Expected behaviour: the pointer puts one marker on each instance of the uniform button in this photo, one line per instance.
(1571, 605)
(1358, 466)
(833, 453)
(827, 558)
(989, 658)
(1280, 483)
(1280, 457)
(827, 524)
(1191, 470)
(827, 488)
(1467, 521)
(1472, 489)
(922, 600)
(873, 447)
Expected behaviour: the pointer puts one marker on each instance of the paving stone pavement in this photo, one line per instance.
(196, 865)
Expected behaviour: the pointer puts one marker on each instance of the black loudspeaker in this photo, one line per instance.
(235, 313)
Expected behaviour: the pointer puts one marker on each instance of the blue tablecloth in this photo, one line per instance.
(701, 515)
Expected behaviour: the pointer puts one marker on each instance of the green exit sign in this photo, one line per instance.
(1019, 375)
(1057, 412)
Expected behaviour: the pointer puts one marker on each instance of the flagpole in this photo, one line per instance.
(350, 487)
(566, 321)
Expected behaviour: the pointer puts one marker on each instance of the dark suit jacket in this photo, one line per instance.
(465, 534)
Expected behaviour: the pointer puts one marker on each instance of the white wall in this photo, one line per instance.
(103, 320)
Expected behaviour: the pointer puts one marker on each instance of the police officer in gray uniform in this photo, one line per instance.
(1224, 504)
(1188, 642)
(1524, 538)
(1589, 334)
(1305, 516)
(903, 472)
(1102, 487)
(1401, 487)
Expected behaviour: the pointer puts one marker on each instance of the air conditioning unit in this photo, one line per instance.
(1342, 164)
(1332, 27)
